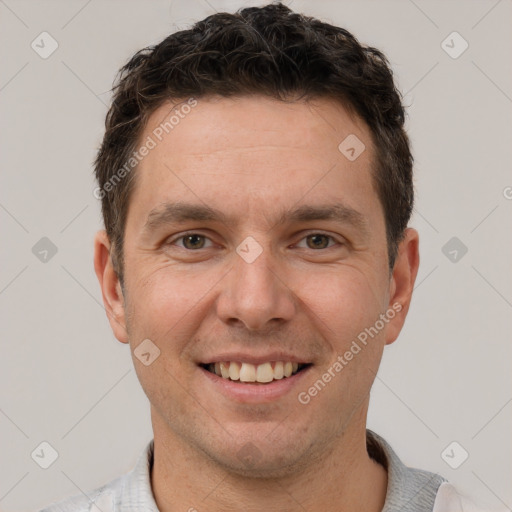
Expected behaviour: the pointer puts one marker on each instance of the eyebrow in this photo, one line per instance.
(179, 212)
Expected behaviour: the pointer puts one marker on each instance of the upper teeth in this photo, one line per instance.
(247, 372)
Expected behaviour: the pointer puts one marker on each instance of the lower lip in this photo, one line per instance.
(247, 392)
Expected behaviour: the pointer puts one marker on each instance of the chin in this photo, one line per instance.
(261, 458)
(268, 466)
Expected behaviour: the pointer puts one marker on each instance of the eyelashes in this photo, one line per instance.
(192, 238)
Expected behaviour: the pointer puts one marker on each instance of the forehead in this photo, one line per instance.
(252, 153)
(216, 124)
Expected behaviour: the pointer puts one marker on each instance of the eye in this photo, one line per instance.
(191, 241)
(196, 241)
(318, 241)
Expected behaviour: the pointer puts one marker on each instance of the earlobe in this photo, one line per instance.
(402, 282)
(113, 299)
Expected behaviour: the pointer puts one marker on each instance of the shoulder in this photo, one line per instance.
(102, 499)
(448, 499)
(126, 492)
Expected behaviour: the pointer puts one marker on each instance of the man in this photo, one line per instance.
(256, 187)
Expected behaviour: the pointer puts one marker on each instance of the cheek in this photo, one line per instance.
(346, 307)
(344, 301)
(166, 305)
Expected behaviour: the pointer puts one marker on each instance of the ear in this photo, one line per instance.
(402, 282)
(113, 299)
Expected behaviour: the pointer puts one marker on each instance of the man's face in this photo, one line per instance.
(258, 284)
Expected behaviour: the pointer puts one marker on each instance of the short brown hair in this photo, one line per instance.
(271, 51)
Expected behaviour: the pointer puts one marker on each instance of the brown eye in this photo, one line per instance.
(318, 241)
(191, 241)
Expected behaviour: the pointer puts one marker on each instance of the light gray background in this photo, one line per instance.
(65, 378)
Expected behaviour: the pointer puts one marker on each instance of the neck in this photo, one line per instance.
(184, 478)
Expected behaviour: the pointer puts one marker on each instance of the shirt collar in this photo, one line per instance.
(409, 489)
(136, 489)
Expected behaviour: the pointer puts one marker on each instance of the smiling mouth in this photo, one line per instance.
(264, 373)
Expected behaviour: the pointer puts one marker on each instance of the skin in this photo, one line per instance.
(252, 158)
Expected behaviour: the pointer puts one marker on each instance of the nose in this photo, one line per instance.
(256, 294)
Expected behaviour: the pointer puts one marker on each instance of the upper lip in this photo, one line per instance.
(254, 359)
